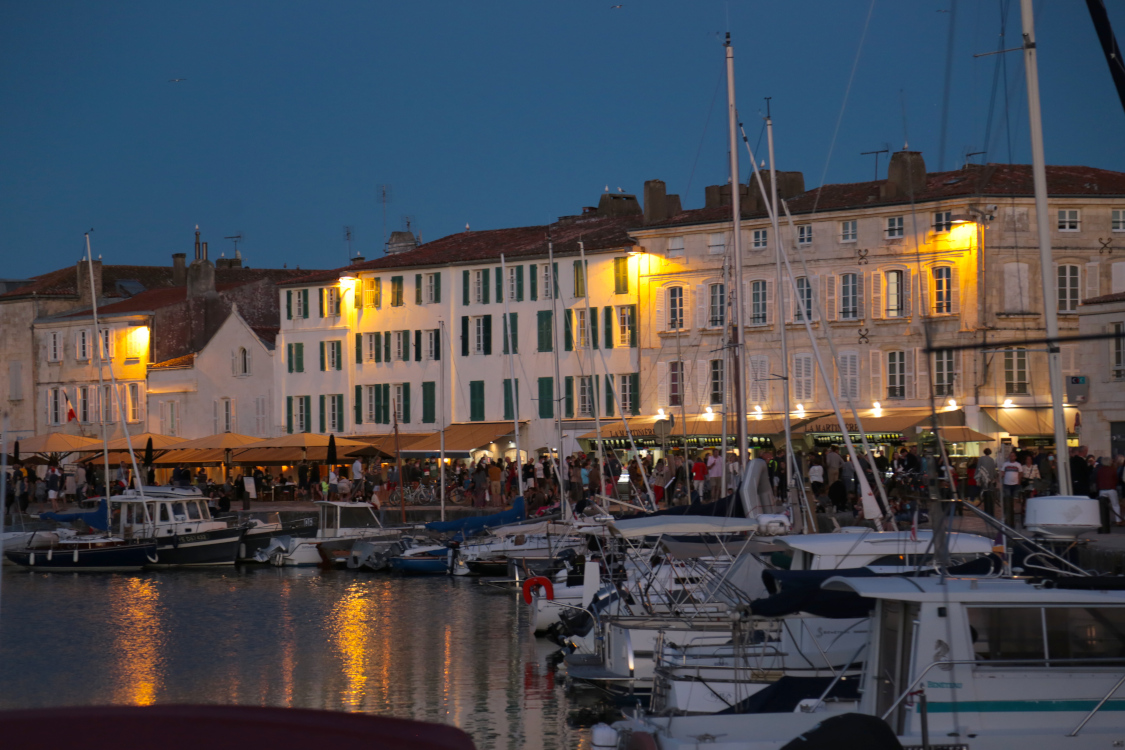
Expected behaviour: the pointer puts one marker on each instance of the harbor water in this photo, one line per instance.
(440, 649)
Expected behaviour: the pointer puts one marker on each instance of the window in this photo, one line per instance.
(675, 308)
(224, 415)
(82, 346)
(895, 293)
(107, 344)
(943, 290)
(1040, 634)
(1015, 371)
(620, 275)
(847, 371)
(675, 383)
(241, 362)
(171, 418)
(396, 292)
(402, 346)
(433, 341)
(583, 329)
(802, 377)
(302, 298)
(943, 221)
(896, 374)
(107, 404)
(759, 239)
(802, 305)
(625, 395)
(332, 301)
(135, 340)
(372, 347)
(136, 402)
(87, 408)
(675, 247)
(1068, 219)
(579, 279)
(432, 292)
(717, 243)
(399, 390)
(372, 292)
(894, 227)
(1068, 288)
(804, 234)
(1017, 288)
(480, 287)
(718, 386)
(759, 365)
(849, 296)
(547, 285)
(625, 325)
(301, 415)
(848, 231)
(54, 346)
(758, 303)
(718, 297)
(479, 334)
(1119, 220)
(586, 396)
(55, 410)
(944, 375)
(512, 284)
(1117, 352)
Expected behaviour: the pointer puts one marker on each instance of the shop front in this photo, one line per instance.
(667, 436)
(1026, 427)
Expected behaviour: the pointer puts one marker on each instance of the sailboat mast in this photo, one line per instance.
(511, 370)
(98, 341)
(736, 219)
(553, 293)
(1050, 310)
(441, 434)
(593, 369)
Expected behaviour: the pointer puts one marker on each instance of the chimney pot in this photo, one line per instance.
(179, 269)
(906, 175)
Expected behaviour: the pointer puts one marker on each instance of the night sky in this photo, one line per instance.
(292, 114)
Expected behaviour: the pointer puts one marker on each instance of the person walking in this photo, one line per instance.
(833, 464)
(715, 468)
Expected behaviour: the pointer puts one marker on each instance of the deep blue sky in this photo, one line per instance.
(495, 114)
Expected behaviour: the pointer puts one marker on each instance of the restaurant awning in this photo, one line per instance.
(385, 444)
(962, 435)
(59, 442)
(1032, 421)
(703, 431)
(461, 440)
(195, 457)
(880, 425)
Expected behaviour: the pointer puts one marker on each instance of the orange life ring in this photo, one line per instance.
(535, 582)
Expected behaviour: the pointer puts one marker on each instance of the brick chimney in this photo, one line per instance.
(179, 269)
(618, 204)
(400, 242)
(201, 273)
(82, 282)
(906, 175)
(789, 184)
(658, 204)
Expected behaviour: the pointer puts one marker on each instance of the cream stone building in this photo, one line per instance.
(1102, 364)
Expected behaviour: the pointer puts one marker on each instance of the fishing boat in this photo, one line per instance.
(66, 551)
(180, 522)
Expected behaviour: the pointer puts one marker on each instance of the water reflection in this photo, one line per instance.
(435, 649)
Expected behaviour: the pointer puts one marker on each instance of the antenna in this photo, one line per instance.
(385, 197)
(238, 236)
(884, 150)
(409, 220)
(349, 235)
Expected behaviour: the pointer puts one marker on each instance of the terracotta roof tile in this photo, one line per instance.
(176, 363)
(1105, 299)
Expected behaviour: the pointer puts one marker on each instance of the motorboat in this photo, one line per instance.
(341, 525)
(180, 522)
(263, 526)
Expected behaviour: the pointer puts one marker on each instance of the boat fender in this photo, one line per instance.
(152, 559)
(535, 582)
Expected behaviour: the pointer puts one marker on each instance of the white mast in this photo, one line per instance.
(552, 293)
(589, 337)
(1050, 310)
(98, 340)
(441, 432)
(736, 218)
(511, 370)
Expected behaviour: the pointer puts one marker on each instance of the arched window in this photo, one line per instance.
(241, 362)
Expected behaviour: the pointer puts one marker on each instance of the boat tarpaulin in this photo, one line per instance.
(95, 519)
(654, 525)
(473, 524)
(794, 591)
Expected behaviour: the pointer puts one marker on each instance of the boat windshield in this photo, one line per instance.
(358, 518)
(178, 512)
(193, 511)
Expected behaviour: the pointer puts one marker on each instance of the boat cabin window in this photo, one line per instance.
(1040, 634)
(358, 518)
(193, 511)
(164, 512)
(178, 512)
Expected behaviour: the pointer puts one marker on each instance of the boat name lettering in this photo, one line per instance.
(834, 427)
(951, 685)
(193, 538)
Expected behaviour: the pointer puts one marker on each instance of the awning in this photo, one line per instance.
(195, 457)
(1032, 422)
(962, 435)
(461, 440)
(385, 444)
(702, 431)
(880, 426)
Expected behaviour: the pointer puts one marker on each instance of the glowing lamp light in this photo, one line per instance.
(800, 410)
(877, 405)
(952, 403)
(1008, 403)
(757, 411)
(660, 413)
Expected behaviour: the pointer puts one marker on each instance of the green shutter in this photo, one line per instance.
(568, 331)
(514, 333)
(340, 412)
(543, 327)
(406, 346)
(321, 291)
(396, 291)
(500, 281)
(308, 413)
(359, 404)
(484, 286)
(519, 283)
(636, 389)
(437, 343)
(378, 293)
(608, 316)
(533, 277)
(387, 347)
(304, 303)
(289, 304)
(579, 280)
(417, 288)
(476, 401)
(609, 412)
(406, 403)
(633, 326)
(299, 350)
(289, 356)
(621, 275)
(339, 346)
(378, 346)
(568, 395)
(323, 360)
(464, 287)
(417, 346)
(593, 328)
(509, 409)
(289, 414)
(323, 416)
(359, 348)
(428, 404)
(546, 398)
(378, 404)
(437, 287)
(487, 334)
(464, 335)
(387, 403)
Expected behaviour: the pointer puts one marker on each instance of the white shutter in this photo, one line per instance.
(926, 292)
(233, 417)
(142, 403)
(747, 308)
(1117, 278)
(661, 382)
(770, 302)
(859, 296)
(702, 384)
(250, 361)
(957, 390)
(660, 307)
(1093, 281)
(830, 296)
(907, 287)
(817, 297)
(909, 356)
(876, 373)
(876, 295)
(922, 390)
(215, 417)
(955, 290)
(233, 361)
(701, 320)
(163, 417)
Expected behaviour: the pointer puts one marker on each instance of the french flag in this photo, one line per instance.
(71, 415)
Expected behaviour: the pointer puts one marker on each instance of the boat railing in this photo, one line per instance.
(1087, 662)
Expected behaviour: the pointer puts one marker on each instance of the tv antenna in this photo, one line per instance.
(385, 197)
(349, 235)
(886, 149)
(238, 236)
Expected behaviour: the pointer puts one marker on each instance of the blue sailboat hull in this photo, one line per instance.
(122, 557)
(420, 564)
